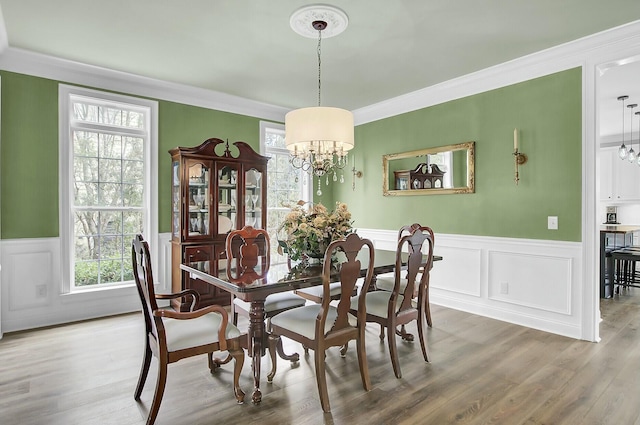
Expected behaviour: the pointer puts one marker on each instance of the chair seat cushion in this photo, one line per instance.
(202, 330)
(377, 303)
(302, 320)
(316, 291)
(274, 302)
(386, 281)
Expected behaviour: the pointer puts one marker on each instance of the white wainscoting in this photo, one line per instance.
(533, 283)
(32, 289)
(543, 280)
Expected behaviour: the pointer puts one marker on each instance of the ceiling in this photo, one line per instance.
(247, 48)
(619, 79)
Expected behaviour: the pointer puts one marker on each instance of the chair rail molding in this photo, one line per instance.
(533, 283)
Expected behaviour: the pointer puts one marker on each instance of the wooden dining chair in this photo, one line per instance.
(248, 257)
(324, 325)
(396, 308)
(386, 281)
(315, 293)
(171, 336)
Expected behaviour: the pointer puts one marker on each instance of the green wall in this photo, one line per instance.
(546, 110)
(29, 155)
(548, 113)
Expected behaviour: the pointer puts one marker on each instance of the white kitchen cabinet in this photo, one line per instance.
(619, 179)
(606, 174)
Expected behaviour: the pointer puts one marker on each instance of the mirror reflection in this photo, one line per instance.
(432, 171)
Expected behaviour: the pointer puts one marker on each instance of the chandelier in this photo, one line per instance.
(319, 138)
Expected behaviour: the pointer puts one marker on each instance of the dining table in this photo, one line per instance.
(277, 277)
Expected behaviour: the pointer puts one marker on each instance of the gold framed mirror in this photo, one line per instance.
(433, 171)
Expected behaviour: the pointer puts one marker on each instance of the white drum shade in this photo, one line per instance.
(321, 129)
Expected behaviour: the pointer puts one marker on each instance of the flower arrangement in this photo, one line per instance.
(310, 231)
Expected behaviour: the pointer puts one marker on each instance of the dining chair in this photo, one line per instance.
(330, 324)
(171, 336)
(391, 309)
(248, 256)
(386, 281)
(315, 293)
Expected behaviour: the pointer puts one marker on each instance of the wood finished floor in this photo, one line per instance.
(483, 371)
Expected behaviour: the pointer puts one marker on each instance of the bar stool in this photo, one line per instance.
(625, 267)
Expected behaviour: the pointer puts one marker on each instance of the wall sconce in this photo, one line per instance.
(354, 173)
(519, 157)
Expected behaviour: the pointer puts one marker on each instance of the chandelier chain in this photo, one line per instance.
(319, 63)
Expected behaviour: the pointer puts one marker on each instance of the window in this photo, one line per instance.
(286, 185)
(444, 161)
(108, 151)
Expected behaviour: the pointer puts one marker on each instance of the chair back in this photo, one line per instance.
(408, 229)
(349, 270)
(248, 254)
(420, 247)
(144, 283)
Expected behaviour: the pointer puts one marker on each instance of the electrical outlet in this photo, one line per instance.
(552, 222)
(41, 291)
(504, 288)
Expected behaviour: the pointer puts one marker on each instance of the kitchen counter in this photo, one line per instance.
(619, 228)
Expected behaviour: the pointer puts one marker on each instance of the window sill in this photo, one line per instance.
(125, 290)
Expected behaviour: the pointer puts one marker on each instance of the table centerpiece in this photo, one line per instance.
(310, 228)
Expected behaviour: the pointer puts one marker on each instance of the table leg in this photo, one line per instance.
(256, 344)
(373, 286)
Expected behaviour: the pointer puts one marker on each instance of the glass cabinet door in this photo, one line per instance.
(175, 200)
(227, 218)
(253, 198)
(198, 198)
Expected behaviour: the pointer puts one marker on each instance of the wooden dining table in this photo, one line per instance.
(277, 278)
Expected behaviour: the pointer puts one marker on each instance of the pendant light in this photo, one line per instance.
(631, 155)
(638, 115)
(319, 137)
(622, 151)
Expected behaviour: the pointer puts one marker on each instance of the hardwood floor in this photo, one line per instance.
(483, 371)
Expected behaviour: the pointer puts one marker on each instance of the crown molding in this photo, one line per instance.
(555, 59)
(559, 58)
(39, 65)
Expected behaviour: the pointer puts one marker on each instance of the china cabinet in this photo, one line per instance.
(215, 188)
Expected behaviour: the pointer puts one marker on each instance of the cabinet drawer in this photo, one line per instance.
(198, 253)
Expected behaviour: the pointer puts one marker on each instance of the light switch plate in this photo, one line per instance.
(552, 222)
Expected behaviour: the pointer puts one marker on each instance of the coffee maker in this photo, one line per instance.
(612, 215)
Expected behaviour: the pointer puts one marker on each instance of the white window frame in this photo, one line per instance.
(447, 167)
(306, 190)
(150, 202)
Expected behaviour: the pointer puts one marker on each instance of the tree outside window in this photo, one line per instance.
(107, 142)
(286, 185)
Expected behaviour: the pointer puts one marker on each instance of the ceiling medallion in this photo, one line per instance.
(301, 20)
